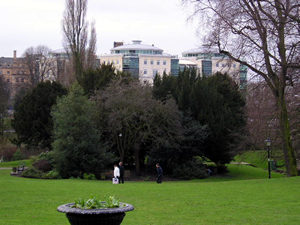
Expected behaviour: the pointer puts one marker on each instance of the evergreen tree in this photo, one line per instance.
(218, 103)
(76, 143)
(32, 120)
(99, 78)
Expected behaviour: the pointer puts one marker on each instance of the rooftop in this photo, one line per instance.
(136, 45)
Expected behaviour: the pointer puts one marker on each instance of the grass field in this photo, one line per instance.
(260, 158)
(26, 162)
(244, 196)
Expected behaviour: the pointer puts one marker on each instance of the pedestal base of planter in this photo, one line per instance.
(106, 216)
(96, 219)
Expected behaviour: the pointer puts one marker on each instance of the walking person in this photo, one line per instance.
(159, 173)
(122, 170)
(117, 172)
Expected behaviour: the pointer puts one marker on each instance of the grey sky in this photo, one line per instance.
(163, 23)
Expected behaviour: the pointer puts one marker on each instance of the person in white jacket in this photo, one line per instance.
(117, 172)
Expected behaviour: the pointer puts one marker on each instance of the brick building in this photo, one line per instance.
(14, 73)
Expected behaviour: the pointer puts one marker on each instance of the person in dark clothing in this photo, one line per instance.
(122, 170)
(159, 173)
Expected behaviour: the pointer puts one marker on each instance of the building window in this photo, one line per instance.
(217, 65)
(8, 72)
(112, 62)
(158, 62)
(154, 73)
(165, 62)
(117, 61)
(145, 71)
(223, 65)
(17, 79)
(145, 62)
(151, 62)
(234, 65)
(22, 80)
(8, 80)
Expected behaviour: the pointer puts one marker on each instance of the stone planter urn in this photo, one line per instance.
(106, 216)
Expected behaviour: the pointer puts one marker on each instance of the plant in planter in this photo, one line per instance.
(93, 211)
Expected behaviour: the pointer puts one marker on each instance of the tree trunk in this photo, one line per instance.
(289, 153)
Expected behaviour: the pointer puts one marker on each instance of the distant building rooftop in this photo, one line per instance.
(137, 47)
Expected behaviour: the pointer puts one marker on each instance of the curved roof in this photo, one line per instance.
(202, 49)
(136, 45)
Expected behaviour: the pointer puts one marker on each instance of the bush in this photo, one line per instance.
(53, 174)
(7, 153)
(17, 155)
(87, 176)
(42, 165)
(32, 173)
(44, 162)
(190, 170)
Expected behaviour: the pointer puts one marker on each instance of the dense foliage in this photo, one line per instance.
(100, 77)
(134, 123)
(32, 121)
(77, 145)
(214, 101)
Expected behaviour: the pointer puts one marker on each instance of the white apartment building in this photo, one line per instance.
(208, 62)
(141, 60)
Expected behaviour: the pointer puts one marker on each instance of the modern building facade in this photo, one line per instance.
(141, 60)
(209, 61)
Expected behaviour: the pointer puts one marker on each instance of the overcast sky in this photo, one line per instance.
(26, 23)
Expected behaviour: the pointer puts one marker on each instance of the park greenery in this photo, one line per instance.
(32, 121)
(98, 115)
(181, 122)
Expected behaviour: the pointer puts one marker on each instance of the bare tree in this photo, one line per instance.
(39, 63)
(75, 30)
(265, 36)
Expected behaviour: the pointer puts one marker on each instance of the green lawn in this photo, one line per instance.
(26, 162)
(259, 158)
(244, 196)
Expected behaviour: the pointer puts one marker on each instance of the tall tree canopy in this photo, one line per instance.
(264, 36)
(214, 101)
(134, 122)
(32, 120)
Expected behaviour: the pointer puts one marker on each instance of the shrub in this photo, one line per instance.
(87, 176)
(32, 173)
(42, 165)
(53, 174)
(190, 170)
(7, 153)
(17, 155)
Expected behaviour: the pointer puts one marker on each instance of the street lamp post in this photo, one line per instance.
(268, 144)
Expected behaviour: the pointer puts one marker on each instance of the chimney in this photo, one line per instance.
(117, 44)
(15, 54)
